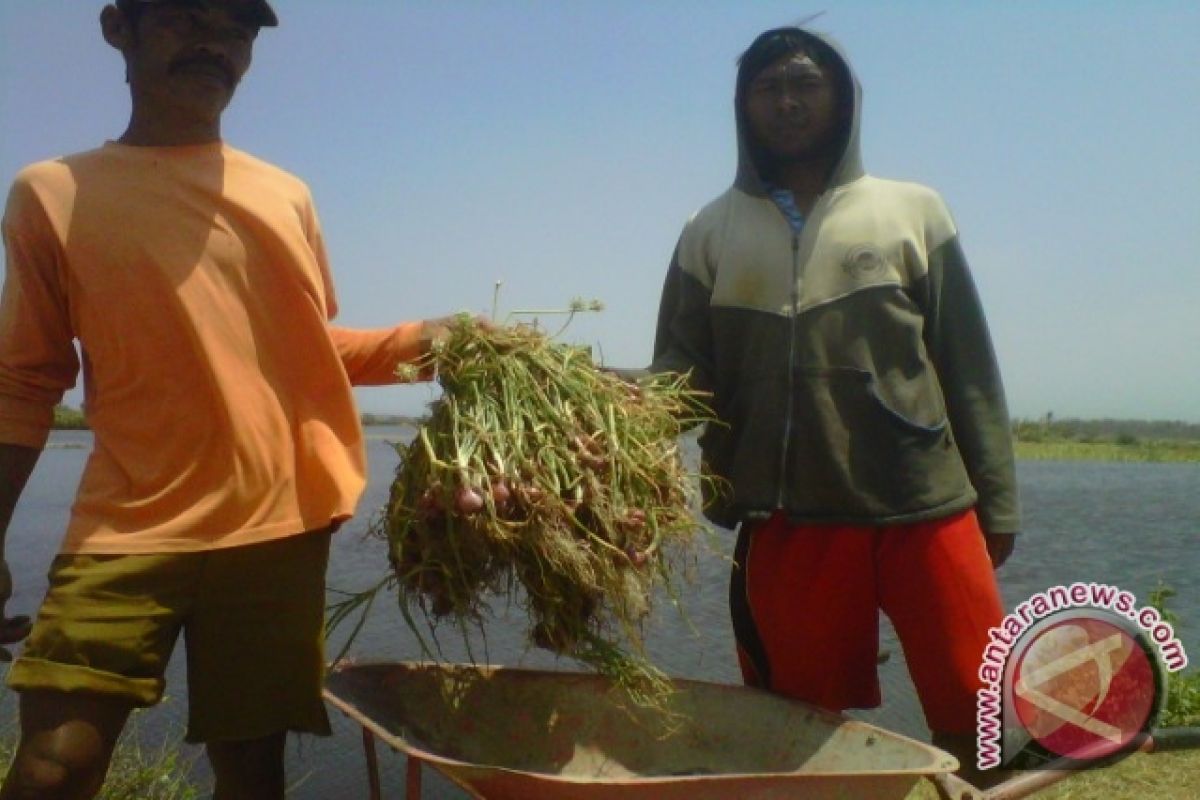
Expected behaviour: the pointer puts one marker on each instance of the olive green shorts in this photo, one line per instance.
(252, 619)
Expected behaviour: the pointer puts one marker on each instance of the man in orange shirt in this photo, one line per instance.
(227, 443)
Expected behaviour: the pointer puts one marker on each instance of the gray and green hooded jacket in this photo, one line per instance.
(850, 362)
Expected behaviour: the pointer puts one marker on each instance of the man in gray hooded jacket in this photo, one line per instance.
(864, 452)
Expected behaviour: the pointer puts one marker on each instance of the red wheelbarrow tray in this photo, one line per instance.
(516, 734)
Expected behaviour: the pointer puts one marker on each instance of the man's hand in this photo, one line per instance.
(434, 331)
(999, 547)
(628, 374)
(437, 330)
(11, 630)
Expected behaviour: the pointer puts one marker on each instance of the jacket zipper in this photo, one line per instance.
(791, 368)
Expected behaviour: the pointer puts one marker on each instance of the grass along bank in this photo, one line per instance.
(1140, 451)
(138, 772)
(1050, 439)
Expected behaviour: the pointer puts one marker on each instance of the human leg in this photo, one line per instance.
(938, 587)
(248, 770)
(805, 612)
(255, 648)
(748, 644)
(97, 650)
(67, 741)
(255, 641)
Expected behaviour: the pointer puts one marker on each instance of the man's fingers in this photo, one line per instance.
(1000, 547)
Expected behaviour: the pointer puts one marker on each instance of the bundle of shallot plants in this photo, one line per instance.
(541, 478)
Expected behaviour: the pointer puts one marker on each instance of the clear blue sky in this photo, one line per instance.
(560, 146)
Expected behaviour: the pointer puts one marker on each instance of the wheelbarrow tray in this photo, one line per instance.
(516, 734)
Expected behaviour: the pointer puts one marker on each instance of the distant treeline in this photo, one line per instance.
(1117, 431)
(1048, 428)
(67, 418)
(390, 419)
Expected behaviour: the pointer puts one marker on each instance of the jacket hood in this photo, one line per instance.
(848, 165)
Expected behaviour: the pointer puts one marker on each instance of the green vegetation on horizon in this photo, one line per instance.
(69, 419)
(1045, 439)
(369, 420)
(1105, 430)
(1048, 439)
(1067, 450)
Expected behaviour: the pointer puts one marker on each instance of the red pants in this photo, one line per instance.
(806, 611)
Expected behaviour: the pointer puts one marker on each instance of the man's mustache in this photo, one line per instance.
(206, 60)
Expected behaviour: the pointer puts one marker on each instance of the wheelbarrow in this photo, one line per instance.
(516, 734)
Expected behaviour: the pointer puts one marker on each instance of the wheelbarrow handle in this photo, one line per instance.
(373, 784)
(1158, 740)
(412, 778)
(412, 771)
(951, 787)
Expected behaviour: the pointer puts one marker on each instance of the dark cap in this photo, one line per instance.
(258, 10)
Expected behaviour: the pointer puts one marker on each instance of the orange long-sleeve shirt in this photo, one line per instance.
(196, 283)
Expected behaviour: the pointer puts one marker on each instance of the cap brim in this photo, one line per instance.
(263, 14)
(267, 15)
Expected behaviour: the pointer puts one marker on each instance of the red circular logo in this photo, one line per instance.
(1083, 688)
